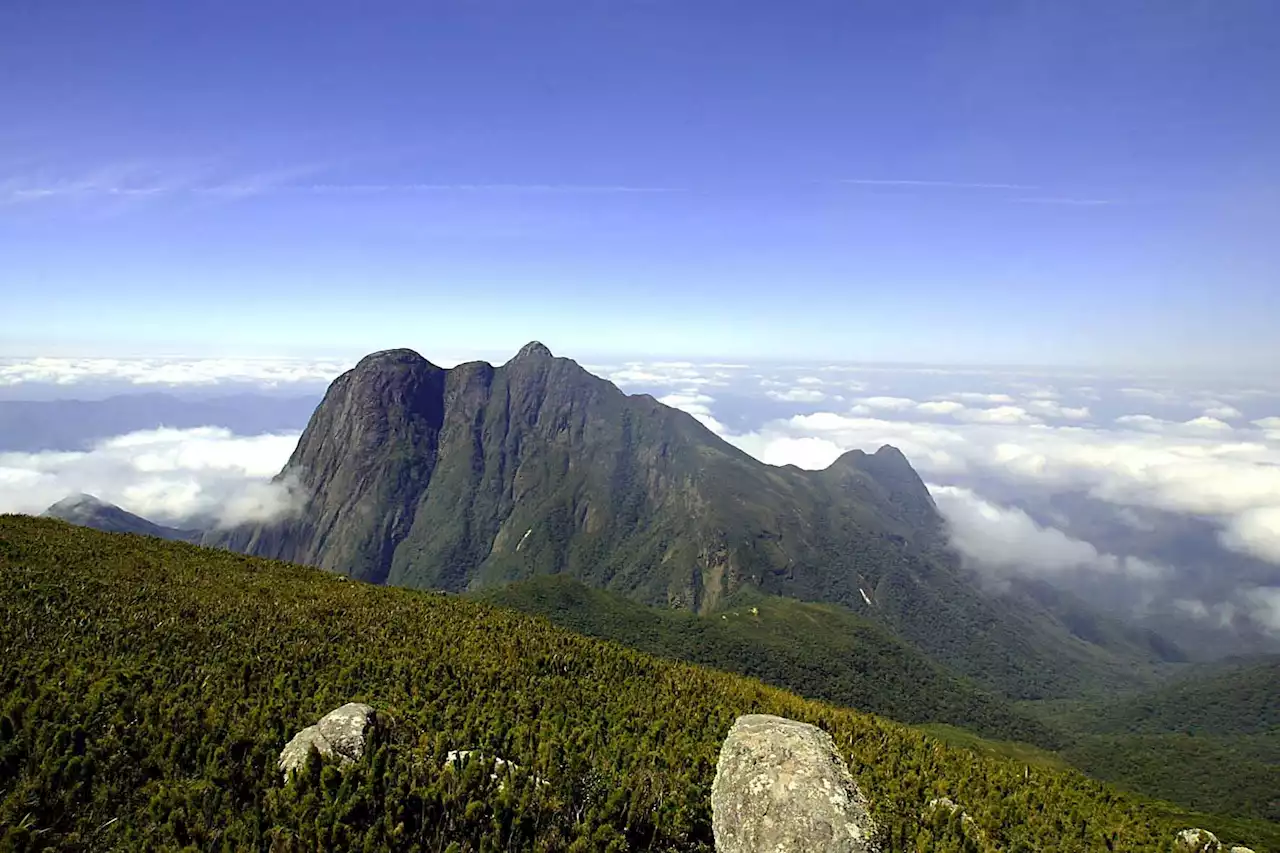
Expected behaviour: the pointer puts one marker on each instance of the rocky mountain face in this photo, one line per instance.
(454, 479)
(89, 511)
(479, 475)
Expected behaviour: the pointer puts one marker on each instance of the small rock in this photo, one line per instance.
(1197, 841)
(340, 732)
(781, 787)
(1237, 848)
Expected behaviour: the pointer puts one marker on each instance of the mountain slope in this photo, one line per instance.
(88, 511)
(471, 477)
(149, 686)
(1209, 739)
(819, 651)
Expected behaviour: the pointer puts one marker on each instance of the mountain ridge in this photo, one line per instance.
(476, 476)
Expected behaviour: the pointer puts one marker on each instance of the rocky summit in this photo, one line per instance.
(781, 787)
(476, 476)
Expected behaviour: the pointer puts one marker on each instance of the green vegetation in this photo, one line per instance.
(1209, 739)
(1237, 775)
(1227, 699)
(149, 685)
(1014, 750)
(819, 651)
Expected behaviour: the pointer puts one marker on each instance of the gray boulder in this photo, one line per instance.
(781, 787)
(1197, 841)
(295, 752)
(345, 727)
(340, 732)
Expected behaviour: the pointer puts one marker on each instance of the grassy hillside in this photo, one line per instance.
(149, 685)
(819, 651)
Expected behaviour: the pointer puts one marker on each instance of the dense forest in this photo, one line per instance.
(817, 650)
(1209, 739)
(149, 686)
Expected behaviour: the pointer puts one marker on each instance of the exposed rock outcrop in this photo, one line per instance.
(340, 732)
(1197, 841)
(781, 787)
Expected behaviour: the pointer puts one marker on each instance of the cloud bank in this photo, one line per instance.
(1008, 542)
(158, 372)
(165, 475)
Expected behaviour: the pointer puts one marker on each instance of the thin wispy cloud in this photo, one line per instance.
(956, 185)
(1003, 188)
(134, 182)
(1073, 202)
(356, 189)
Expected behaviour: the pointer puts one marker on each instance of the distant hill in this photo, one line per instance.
(149, 687)
(88, 511)
(817, 650)
(477, 476)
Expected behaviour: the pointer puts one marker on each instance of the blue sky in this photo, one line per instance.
(978, 182)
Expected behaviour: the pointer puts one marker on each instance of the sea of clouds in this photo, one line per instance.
(1144, 459)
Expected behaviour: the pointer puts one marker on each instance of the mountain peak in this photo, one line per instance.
(89, 511)
(81, 501)
(388, 358)
(892, 458)
(533, 350)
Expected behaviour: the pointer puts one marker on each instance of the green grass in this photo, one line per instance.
(148, 687)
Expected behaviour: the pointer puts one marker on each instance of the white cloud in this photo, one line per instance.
(165, 475)
(1268, 423)
(1256, 532)
(1195, 426)
(1052, 409)
(1223, 411)
(941, 407)
(659, 374)
(174, 372)
(1152, 394)
(1222, 613)
(1224, 476)
(696, 404)
(978, 397)
(1261, 604)
(1043, 394)
(892, 404)
(1006, 541)
(797, 395)
(809, 380)
(1264, 606)
(1146, 422)
(1011, 415)
(1207, 424)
